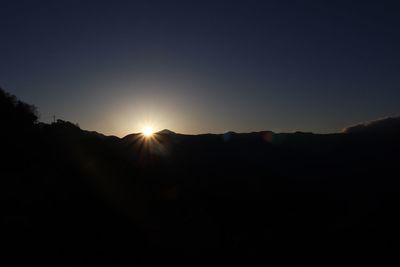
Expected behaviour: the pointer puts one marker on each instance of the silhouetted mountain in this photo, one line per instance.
(166, 131)
(73, 197)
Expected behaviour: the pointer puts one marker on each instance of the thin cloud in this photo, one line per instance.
(384, 125)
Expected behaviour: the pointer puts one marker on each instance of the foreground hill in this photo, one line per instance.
(73, 197)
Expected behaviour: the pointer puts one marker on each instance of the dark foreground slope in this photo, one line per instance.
(77, 198)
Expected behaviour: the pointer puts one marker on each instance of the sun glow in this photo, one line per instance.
(147, 131)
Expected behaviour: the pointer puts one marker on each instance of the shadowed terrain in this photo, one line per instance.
(76, 198)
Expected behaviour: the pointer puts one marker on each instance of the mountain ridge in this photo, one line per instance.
(90, 194)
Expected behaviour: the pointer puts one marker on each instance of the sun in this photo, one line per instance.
(147, 131)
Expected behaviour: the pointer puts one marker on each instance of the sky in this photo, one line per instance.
(203, 66)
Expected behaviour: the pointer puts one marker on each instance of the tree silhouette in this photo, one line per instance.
(15, 114)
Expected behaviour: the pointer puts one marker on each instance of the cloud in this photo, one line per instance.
(385, 125)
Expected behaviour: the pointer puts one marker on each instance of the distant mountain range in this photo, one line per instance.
(251, 199)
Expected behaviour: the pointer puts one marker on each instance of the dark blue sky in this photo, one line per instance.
(203, 66)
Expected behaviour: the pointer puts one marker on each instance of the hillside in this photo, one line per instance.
(72, 196)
